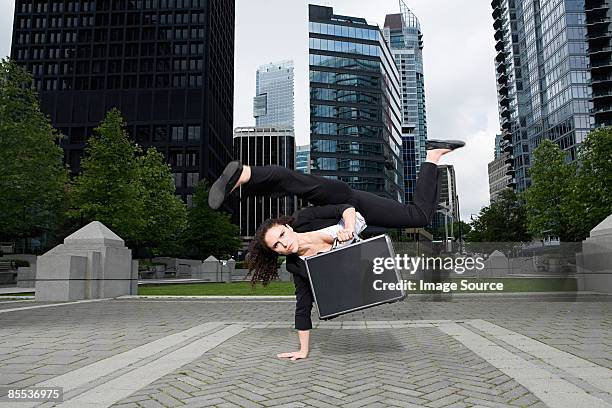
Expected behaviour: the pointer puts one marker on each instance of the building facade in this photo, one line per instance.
(543, 78)
(262, 146)
(448, 206)
(403, 34)
(273, 103)
(302, 158)
(499, 169)
(355, 108)
(598, 18)
(166, 64)
(498, 175)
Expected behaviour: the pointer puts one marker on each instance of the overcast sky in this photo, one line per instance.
(458, 62)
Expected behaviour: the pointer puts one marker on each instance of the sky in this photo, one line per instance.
(458, 54)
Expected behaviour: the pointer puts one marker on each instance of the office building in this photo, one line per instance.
(499, 169)
(448, 206)
(403, 34)
(598, 18)
(355, 111)
(168, 65)
(262, 146)
(542, 78)
(302, 158)
(273, 102)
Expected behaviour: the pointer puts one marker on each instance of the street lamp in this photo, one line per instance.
(445, 211)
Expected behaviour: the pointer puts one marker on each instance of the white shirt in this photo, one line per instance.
(332, 230)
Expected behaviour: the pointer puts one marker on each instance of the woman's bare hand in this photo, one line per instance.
(295, 355)
(345, 235)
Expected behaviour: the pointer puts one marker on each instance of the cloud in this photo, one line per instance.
(6, 26)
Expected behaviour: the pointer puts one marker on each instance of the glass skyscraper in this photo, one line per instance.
(273, 102)
(543, 78)
(302, 158)
(403, 33)
(355, 111)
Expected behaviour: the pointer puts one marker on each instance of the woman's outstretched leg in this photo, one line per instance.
(280, 181)
(388, 213)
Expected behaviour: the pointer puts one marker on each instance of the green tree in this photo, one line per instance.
(590, 200)
(552, 183)
(165, 215)
(504, 220)
(108, 190)
(32, 176)
(209, 232)
(458, 226)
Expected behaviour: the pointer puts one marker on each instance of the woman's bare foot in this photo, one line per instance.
(434, 155)
(244, 176)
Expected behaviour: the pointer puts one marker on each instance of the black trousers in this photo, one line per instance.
(377, 211)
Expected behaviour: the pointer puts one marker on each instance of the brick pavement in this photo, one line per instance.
(404, 354)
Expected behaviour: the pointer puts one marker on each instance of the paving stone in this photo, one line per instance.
(407, 365)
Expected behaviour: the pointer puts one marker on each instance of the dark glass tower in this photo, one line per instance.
(263, 146)
(355, 108)
(168, 65)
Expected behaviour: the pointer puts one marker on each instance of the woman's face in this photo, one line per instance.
(282, 239)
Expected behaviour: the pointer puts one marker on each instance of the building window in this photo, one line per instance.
(179, 81)
(191, 159)
(195, 80)
(160, 134)
(178, 179)
(176, 159)
(193, 133)
(177, 134)
(192, 179)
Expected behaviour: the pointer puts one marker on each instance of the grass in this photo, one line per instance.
(223, 289)
(287, 288)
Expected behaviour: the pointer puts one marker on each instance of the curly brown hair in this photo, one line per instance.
(262, 259)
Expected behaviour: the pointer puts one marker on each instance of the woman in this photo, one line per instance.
(336, 213)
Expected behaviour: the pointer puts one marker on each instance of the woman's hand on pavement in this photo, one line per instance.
(295, 355)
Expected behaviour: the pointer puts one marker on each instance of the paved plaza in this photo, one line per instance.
(427, 351)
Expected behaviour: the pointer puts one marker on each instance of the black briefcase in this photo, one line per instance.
(343, 279)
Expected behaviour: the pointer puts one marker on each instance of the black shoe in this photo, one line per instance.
(444, 144)
(221, 188)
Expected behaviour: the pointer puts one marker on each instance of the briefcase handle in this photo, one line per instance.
(356, 238)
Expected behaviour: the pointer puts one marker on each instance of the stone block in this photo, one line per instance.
(108, 270)
(594, 263)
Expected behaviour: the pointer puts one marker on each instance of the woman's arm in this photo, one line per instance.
(349, 217)
(303, 308)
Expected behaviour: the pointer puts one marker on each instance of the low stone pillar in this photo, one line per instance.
(594, 263)
(230, 267)
(283, 274)
(210, 269)
(495, 266)
(134, 281)
(92, 263)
